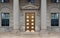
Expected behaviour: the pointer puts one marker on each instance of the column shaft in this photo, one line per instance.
(16, 14)
(43, 14)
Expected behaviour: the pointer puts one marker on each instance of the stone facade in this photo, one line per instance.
(53, 8)
(6, 8)
(35, 7)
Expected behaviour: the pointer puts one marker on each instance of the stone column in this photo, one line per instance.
(43, 14)
(59, 18)
(15, 15)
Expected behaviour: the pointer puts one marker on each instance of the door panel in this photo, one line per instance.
(29, 22)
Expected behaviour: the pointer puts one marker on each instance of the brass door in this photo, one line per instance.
(29, 22)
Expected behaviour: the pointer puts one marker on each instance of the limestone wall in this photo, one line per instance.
(6, 8)
(53, 8)
(23, 2)
(37, 20)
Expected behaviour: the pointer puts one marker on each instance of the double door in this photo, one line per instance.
(29, 22)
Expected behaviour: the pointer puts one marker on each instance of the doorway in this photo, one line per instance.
(29, 22)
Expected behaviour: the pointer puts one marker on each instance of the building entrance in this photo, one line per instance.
(29, 22)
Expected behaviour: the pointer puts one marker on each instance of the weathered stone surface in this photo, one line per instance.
(18, 35)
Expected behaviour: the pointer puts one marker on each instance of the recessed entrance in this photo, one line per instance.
(29, 22)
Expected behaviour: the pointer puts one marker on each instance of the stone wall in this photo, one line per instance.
(23, 2)
(6, 8)
(53, 8)
(37, 20)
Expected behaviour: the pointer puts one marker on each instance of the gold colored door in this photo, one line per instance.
(29, 22)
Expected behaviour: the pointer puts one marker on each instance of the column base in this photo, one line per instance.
(15, 30)
(44, 31)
